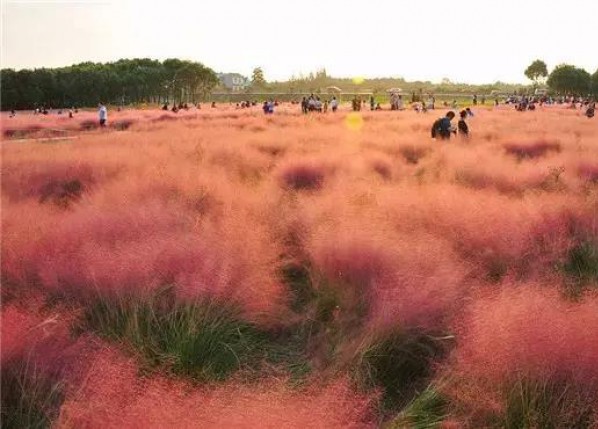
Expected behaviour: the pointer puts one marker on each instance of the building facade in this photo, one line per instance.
(234, 81)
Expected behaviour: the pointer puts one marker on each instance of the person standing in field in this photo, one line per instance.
(372, 103)
(103, 114)
(400, 103)
(591, 109)
(442, 127)
(462, 125)
(334, 104)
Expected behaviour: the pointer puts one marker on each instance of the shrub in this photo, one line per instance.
(530, 360)
(29, 398)
(532, 150)
(123, 124)
(62, 194)
(426, 411)
(383, 167)
(412, 153)
(548, 405)
(302, 175)
(398, 363)
(588, 172)
(581, 265)
(204, 340)
(88, 125)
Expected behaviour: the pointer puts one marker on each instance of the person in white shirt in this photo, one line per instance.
(103, 114)
(334, 104)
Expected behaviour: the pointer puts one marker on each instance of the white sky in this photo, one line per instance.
(473, 41)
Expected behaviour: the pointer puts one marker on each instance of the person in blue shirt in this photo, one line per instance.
(442, 127)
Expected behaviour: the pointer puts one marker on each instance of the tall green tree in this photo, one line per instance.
(568, 79)
(134, 80)
(257, 78)
(536, 71)
(595, 83)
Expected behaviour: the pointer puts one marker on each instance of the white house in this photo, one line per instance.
(234, 81)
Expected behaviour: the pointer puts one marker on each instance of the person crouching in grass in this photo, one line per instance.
(442, 127)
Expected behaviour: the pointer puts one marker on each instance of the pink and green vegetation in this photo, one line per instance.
(220, 268)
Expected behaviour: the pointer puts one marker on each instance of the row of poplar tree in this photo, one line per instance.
(126, 81)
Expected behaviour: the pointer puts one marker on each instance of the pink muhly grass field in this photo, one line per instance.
(329, 239)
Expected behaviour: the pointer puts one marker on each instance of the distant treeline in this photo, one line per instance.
(151, 81)
(124, 81)
(320, 80)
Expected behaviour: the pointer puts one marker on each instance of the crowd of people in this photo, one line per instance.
(314, 104)
(442, 127)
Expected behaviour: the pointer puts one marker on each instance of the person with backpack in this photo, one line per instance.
(442, 127)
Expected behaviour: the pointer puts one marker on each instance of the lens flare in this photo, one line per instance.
(354, 121)
(358, 80)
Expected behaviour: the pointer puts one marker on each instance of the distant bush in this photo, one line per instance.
(581, 265)
(303, 175)
(383, 167)
(88, 125)
(532, 150)
(588, 172)
(62, 194)
(123, 124)
(21, 132)
(412, 153)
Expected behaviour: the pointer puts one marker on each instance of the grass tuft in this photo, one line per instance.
(426, 411)
(29, 399)
(398, 365)
(206, 340)
(546, 405)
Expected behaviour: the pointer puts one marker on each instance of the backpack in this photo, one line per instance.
(435, 127)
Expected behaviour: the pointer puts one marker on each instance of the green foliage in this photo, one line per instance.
(567, 79)
(297, 278)
(29, 399)
(320, 80)
(536, 70)
(257, 78)
(206, 340)
(426, 411)
(581, 266)
(398, 364)
(124, 81)
(595, 83)
(546, 405)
